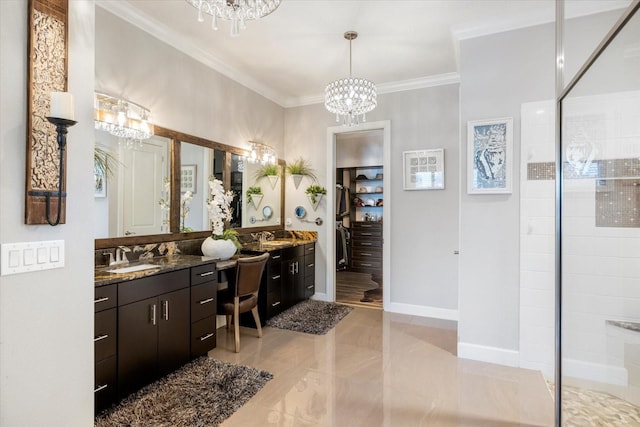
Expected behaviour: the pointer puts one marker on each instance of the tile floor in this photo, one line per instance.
(381, 369)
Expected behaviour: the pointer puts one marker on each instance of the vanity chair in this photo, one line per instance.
(243, 297)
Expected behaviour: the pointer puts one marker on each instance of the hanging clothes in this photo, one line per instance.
(342, 201)
(342, 247)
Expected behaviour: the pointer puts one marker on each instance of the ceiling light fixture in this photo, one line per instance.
(122, 118)
(351, 97)
(236, 11)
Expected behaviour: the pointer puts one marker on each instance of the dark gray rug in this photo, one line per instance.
(202, 393)
(311, 317)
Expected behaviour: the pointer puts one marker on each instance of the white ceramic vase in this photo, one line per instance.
(218, 248)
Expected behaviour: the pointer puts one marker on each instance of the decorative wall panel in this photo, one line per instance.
(47, 73)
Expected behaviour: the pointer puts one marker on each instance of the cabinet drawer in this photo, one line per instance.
(309, 289)
(274, 279)
(203, 273)
(275, 258)
(357, 263)
(309, 249)
(147, 287)
(105, 297)
(104, 388)
(360, 243)
(373, 254)
(366, 226)
(310, 265)
(105, 328)
(203, 336)
(367, 234)
(203, 301)
(274, 304)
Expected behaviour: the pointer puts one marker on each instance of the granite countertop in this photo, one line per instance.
(164, 264)
(275, 245)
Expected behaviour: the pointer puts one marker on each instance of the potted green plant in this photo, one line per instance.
(298, 169)
(314, 193)
(270, 171)
(254, 196)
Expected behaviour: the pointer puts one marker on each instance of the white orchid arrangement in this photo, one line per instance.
(219, 206)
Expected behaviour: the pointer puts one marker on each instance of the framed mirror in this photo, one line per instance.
(267, 212)
(196, 160)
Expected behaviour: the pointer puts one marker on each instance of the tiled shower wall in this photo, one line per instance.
(601, 236)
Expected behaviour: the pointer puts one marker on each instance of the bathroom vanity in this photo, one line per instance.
(150, 322)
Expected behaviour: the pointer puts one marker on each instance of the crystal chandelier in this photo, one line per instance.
(122, 118)
(351, 97)
(236, 11)
(261, 153)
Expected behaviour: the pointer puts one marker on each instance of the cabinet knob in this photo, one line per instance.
(208, 273)
(100, 387)
(206, 301)
(275, 304)
(103, 299)
(277, 276)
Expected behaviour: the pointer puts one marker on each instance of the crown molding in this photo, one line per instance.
(165, 34)
(160, 31)
(389, 87)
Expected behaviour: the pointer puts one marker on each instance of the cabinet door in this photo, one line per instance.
(137, 344)
(174, 333)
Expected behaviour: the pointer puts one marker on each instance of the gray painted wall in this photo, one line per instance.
(46, 318)
(424, 224)
(182, 93)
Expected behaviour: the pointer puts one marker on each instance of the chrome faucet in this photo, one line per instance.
(121, 257)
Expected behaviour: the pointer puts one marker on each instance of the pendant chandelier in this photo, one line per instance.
(351, 97)
(236, 11)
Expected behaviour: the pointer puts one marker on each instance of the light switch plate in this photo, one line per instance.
(31, 256)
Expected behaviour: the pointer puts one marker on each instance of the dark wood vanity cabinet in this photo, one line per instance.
(204, 291)
(289, 278)
(105, 329)
(146, 328)
(153, 328)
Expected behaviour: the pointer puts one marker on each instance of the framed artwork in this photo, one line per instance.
(188, 178)
(423, 169)
(100, 189)
(489, 156)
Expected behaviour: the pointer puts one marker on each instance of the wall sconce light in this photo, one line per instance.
(61, 115)
(261, 153)
(122, 118)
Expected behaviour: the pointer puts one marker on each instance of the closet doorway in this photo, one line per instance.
(359, 206)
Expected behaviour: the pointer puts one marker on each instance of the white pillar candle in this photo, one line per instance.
(61, 105)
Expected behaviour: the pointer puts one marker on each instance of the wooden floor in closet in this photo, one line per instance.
(350, 289)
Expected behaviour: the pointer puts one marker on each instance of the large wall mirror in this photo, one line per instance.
(158, 189)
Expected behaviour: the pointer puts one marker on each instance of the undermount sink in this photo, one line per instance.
(132, 269)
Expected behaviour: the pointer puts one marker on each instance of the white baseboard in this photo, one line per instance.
(500, 356)
(595, 372)
(421, 310)
(320, 297)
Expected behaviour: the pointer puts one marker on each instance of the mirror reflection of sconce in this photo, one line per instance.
(61, 115)
(301, 213)
(122, 118)
(267, 213)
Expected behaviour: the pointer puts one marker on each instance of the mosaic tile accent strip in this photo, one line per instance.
(614, 168)
(617, 202)
(543, 171)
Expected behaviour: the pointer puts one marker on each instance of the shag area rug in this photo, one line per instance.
(202, 393)
(311, 317)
